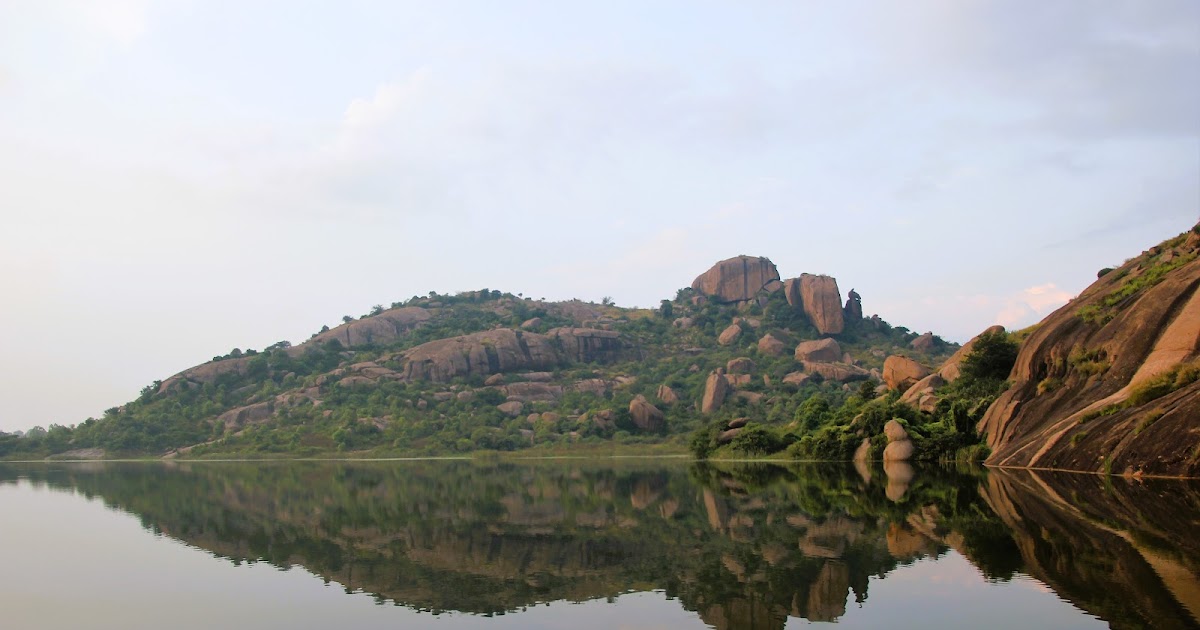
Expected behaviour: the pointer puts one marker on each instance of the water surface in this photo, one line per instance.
(590, 544)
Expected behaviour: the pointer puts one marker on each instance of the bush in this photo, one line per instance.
(992, 357)
(758, 440)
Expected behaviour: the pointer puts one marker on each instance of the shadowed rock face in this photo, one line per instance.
(490, 352)
(819, 298)
(737, 279)
(1074, 375)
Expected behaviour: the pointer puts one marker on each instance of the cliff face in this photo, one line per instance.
(1108, 382)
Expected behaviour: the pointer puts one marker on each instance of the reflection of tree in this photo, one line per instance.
(744, 546)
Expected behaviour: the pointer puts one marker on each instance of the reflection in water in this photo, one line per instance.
(743, 546)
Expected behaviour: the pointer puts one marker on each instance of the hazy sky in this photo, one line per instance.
(182, 177)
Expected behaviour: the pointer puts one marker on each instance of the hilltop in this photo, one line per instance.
(491, 370)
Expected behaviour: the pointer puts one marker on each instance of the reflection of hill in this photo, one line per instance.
(745, 547)
(1125, 551)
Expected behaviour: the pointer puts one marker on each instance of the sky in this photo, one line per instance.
(182, 177)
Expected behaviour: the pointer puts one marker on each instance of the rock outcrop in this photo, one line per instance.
(821, 350)
(840, 372)
(901, 373)
(380, 329)
(853, 309)
(737, 279)
(667, 395)
(924, 343)
(740, 365)
(480, 354)
(900, 446)
(646, 416)
(772, 345)
(819, 298)
(589, 345)
(1111, 381)
(715, 389)
(729, 335)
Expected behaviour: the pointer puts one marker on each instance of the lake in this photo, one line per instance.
(581, 544)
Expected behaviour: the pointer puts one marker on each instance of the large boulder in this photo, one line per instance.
(900, 373)
(667, 395)
(715, 389)
(839, 372)
(729, 335)
(819, 298)
(740, 365)
(822, 350)
(480, 354)
(512, 408)
(589, 345)
(900, 446)
(924, 343)
(771, 345)
(646, 416)
(737, 279)
(380, 329)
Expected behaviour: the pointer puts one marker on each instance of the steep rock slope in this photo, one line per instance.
(1108, 382)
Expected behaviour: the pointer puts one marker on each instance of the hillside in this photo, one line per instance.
(492, 370)
(1111, 381)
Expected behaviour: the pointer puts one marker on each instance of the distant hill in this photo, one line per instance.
(492, 370)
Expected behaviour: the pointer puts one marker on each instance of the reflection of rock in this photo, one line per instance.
(899, 475)
(827, 595)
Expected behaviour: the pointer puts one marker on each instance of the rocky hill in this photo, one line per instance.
(1111, 381)
(492, 370)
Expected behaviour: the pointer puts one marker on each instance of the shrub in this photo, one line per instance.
(992, 357)
(758, 440)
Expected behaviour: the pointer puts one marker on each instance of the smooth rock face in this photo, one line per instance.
(484, 353)
(819, 298)
(729, 335)
(836, 371)
(737, 279)
(900, 373)
(512, 408)
(797, 378)
(531, 323)
(771, 345)
(894, 431)
(740, 365)
(821, 350)
(380, 329)
(738, 423)
(898, 451)
(1152, 331)
(924, 343)
(588, 345)
(667, 395)
(715, 389)
(646, 416)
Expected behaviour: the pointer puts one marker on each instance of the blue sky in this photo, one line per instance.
(178, 178)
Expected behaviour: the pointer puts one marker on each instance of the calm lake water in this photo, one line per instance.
(590, 544)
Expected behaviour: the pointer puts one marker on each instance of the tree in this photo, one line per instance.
(607, 301)
(992, 357)
(346, 319)
(666, 310)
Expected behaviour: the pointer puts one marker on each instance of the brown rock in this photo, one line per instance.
(951, 369)
(819, 298)
(740, 365)
(737, 380)
(531, 323)
(726, 437)
(483, 353)
(751, 397)
(771, 345)
(796, 378)
(737, 423)
(921, 388)
(898, 451)
(822, 350)
(924, 343)
(646, 416)
(380, 329)
(715, 389)
(894, 431)
(839, 372)
(495, 379)
(590, 345)
(729, 335)
(853, 310)
(533, 392)
(900, 373)
(667, 395)
(684, 322)
(248, 415)
(512, 408)
(597, 386)
(737, 279)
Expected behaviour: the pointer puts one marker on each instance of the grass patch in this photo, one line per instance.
(1107, 307)
(1150, 419)
(1078, 437)
(1048, 385)
(1089, 362)
(1172, 380)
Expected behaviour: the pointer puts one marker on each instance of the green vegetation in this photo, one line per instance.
(827, 430)
(1133, 281)
(308, 400)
